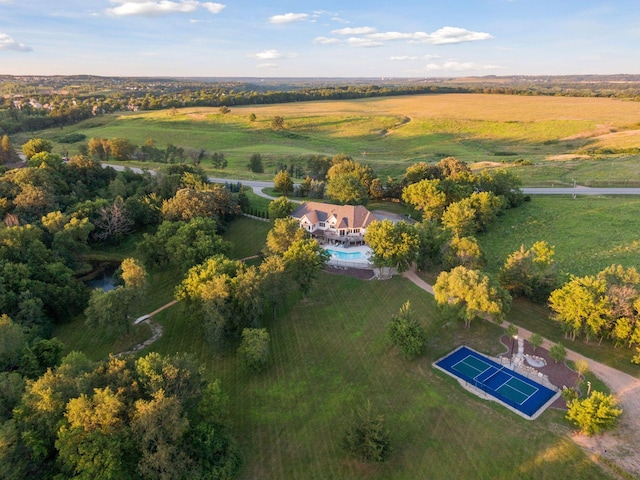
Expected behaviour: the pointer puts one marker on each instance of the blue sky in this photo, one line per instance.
(325, 38)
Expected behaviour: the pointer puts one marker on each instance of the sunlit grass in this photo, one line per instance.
(389, 133)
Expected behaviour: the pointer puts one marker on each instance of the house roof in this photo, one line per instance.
(347, 216)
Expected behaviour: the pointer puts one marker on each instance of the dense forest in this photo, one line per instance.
(30, 103)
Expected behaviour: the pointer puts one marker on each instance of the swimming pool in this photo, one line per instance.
(342, 255)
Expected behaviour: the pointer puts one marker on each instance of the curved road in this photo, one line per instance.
(258, 185)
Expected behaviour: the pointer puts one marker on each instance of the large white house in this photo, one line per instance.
(335, 224)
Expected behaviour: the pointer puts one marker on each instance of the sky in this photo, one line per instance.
(324, 38)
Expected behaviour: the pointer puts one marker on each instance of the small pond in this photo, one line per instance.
(101, 276)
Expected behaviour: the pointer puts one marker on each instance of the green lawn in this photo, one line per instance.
(392, 133)
(330, 355)
(589, 233)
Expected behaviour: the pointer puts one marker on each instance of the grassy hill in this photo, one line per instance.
(584, 139)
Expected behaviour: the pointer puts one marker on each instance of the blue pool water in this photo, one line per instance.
(347, 255)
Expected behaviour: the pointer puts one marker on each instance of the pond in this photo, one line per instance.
(101, 276)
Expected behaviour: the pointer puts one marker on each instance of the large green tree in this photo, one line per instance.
(36, 145)
(394, 245)
(303, 260)
(594, 414)
(531, 273)
(426, 196)
(582, 306)
(471, 294)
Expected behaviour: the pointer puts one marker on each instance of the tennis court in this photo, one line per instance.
(506, 386)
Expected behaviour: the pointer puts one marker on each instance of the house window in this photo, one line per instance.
(322, 224)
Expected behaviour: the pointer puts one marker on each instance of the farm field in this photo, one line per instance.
(564, 139)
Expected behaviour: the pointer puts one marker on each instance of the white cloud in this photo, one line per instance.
(354, 31)
(151, 8)
(363, 42)
(8, 43)
(404, 58)
(340, 20)
(213, 7)
(443, 36)
(268, 55)
(448, 35)
(288, 18)
(326, 40)
(453, 66)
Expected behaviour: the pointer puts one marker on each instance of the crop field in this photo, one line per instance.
(391, 133)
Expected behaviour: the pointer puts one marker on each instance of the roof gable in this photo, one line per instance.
(347, 216)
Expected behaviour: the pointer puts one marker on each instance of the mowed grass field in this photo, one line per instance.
(330, 355)
(391, 133)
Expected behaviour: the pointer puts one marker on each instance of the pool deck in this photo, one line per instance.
(350, 262)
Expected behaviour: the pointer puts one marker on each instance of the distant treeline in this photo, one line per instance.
(36, 103)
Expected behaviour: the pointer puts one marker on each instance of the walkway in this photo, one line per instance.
(618, 446)
(156, 330)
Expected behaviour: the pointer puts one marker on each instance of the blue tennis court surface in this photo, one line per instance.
(507, 386)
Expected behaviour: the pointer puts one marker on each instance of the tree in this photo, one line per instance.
(282, 182)
(421, 171)
(283, 234)
(7, 152)
(432, 243)
(406, 333)
(99, 148)
(595, 413)
(213, 201)
(280, 208)
(218, 160)
(558, 353)
(255, 163)
(582, 367)
(536, 340)
(121, 148)
(581, 305)
(460, 219)
(426, 196)
(113, 222)
(530, 273)
(463, 251)
(349, 181)
(254, 348)
(366, 437)
(303, 260)
(36, 145)
(393, 245)
(347, 189)
(470, 294)
(277, 123)
(224, 109)
(183, 244)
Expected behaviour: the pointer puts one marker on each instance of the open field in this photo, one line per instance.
(588, 233)
(393, 132)
(329, 355)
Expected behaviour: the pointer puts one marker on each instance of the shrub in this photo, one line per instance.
(595, 413)
(365, 437)
(406, 333)
(254, 348)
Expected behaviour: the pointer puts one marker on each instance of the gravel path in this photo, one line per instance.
(619, 446)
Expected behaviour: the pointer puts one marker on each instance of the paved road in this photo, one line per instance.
(258, 185)
(581, 191)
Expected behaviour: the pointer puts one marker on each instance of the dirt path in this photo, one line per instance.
(618, 446)
(156, 330)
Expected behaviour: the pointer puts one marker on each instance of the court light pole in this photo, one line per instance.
(513, 352)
